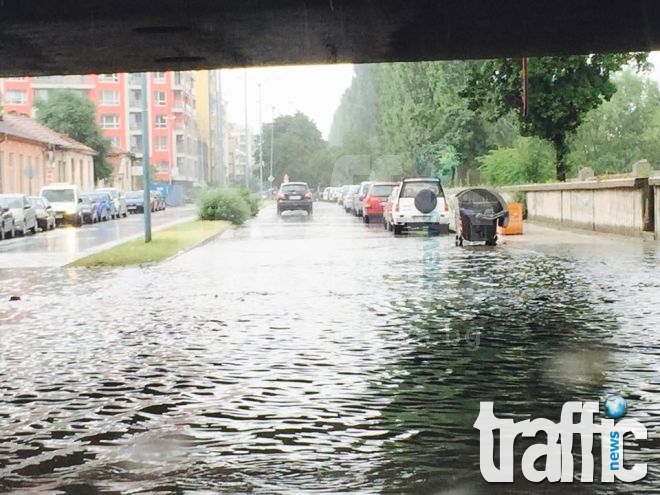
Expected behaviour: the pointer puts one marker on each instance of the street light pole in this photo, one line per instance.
(247, 134)
(261, 149)
(145, 161)
(272, 127)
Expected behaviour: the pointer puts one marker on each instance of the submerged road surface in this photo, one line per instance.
(303, 355)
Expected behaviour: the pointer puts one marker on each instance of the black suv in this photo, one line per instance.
(294, 196)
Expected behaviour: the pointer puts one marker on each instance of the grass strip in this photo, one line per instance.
(164, 244)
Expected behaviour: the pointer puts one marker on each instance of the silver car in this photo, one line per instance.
(118, 199)
(25, 215)
(357, 198)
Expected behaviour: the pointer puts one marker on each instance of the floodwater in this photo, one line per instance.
(305, 355)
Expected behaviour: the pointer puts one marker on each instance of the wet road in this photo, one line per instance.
(300, 355)
(63, 245)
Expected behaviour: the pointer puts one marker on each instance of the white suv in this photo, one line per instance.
(66, 202)
(420, 202)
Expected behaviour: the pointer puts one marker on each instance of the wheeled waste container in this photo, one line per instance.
(478, 213)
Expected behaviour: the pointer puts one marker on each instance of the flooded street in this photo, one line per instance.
(303, 355)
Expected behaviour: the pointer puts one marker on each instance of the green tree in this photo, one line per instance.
(70, 113)
(561, 90)
(529, 160)
(622, 130)
(298, 150)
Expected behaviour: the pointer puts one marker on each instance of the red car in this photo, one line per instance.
(373, 202)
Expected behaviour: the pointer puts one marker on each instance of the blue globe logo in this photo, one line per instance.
(615, 406)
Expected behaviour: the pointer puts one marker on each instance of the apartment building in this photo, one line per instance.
(176, 146)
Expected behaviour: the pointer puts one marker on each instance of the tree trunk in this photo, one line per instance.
(561, 150)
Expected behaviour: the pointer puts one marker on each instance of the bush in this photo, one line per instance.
(250, 199)
(223, 204)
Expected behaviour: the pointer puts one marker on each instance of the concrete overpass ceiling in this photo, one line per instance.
(39, 37)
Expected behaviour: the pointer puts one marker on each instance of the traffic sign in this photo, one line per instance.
(271, 178)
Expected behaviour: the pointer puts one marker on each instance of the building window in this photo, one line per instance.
(161, 122)
(160, 97)
(159, 77)
(15, 97)
(136, 143)
(135, 121)
(161, 143)
(177, 78)
(110, 98)
(41, 94)
(109, 77)
(135, 98)
(109, 121)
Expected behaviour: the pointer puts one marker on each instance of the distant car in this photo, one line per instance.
(374, 200)
(341, 194)
(92, 210)
(420, 202)
(65, 200)
(45, 213)
(356, 208)
(295, 196)
(6, 223)
(106, 199)
(118, 198)
(348, 198)
(25, 216)
(135, 201)
(387, 208)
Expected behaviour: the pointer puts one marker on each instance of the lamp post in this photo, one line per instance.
(145, 161)
(261, 150)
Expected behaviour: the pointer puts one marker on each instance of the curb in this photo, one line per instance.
(198, 244)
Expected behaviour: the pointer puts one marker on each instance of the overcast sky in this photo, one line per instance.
(315, 90)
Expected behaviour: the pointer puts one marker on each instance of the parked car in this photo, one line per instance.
(45, 213)
(387, 208)
(25, 216)
(420, 202)
(118, 199)
(295, 196)
(135, 201)
(6, 223)
(65, 200)
(92, 211)
(341, 194)
(105, 199)
(348, 198)
(356, 208)
(374, 200)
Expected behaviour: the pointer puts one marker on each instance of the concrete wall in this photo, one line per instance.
(615, 206)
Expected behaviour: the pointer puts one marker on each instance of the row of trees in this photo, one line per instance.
(452, 119)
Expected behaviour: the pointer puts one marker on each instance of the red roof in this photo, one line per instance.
(29, 128)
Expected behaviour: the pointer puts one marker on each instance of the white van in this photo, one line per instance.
(66, 202)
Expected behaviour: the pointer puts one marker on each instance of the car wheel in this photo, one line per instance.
(2, 232)
(398, 229)
(365, 218)
(33, 230)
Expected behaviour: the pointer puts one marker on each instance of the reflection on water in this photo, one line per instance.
(316, 355)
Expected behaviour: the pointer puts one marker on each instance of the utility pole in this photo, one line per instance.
(145, 161)
(221, 132)
(247, 134)
(261, 150)
(272, 127)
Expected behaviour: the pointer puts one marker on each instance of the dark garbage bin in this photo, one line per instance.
(478, 212)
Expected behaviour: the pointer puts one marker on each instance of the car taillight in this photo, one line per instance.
(396, 206)
(280, 196)
(308, 195)
(446, 206)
